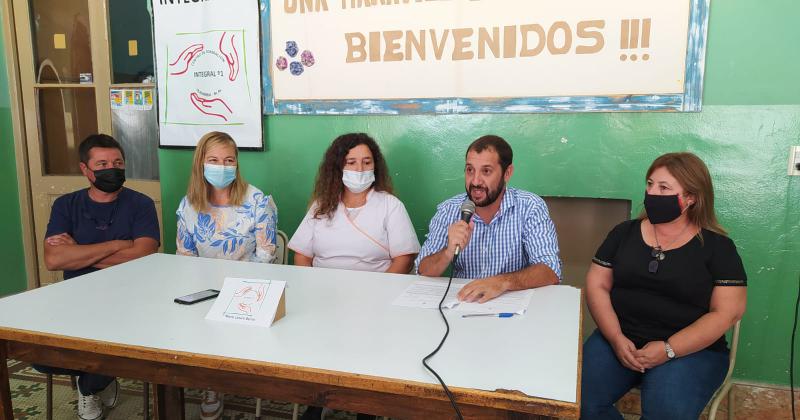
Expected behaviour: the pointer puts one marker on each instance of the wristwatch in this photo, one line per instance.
(670, 352)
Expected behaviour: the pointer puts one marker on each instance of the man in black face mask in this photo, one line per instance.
(510, 242)
(94, 228)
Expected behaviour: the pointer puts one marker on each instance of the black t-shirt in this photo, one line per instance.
(131, 216)
(653, 307)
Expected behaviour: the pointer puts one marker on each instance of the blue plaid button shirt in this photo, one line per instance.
(521, 234)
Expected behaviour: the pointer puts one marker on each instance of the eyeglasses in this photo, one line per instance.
(658, 255)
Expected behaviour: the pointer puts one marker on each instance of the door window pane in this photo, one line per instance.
(66, 117)
(61, 41)
(131, 30)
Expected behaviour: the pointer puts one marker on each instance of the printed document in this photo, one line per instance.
(428, 293)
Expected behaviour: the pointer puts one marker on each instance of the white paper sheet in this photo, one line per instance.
(515, 302)
(427, 294)
(247, 301)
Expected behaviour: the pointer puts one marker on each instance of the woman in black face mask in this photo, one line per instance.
(663, 289)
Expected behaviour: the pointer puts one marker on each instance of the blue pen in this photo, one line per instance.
(499, 315)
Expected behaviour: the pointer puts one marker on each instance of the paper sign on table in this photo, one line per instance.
(249, 301)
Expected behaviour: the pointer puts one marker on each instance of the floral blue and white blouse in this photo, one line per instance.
(244, 233)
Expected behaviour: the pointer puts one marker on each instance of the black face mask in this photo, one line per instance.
(109, 180)
(662, 208)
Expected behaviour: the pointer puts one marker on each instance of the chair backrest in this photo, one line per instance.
(281, 252)
(724, 389)
(734, 344)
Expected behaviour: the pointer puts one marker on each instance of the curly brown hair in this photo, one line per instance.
(328, 187)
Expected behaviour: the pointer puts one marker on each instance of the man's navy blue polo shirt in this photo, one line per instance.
(131, 216)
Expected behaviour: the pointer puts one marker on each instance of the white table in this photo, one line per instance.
(342, 344)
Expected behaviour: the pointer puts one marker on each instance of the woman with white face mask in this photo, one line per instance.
(354, 221)
(222, 216)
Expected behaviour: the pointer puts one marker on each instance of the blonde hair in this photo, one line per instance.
(693, 175)
(199, 189)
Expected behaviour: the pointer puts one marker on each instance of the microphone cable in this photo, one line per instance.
(441, 343)
(791, 346)
(791, 351)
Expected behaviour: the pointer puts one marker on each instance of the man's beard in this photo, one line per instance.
(490, 195)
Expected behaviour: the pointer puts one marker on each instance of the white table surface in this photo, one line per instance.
(335, 319)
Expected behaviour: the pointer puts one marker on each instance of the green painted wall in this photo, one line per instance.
(751, 116)
(12, 256)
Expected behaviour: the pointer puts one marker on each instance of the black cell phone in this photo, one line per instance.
(197, 297)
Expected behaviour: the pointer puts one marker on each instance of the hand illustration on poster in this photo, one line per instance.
(181, 64)
(247, 299)
(215, 107)
(232, 56)
(207, 78)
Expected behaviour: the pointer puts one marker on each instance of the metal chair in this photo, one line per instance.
(281, 257)
(49, 393)
(281, 251)
(727, 384)
(49, 397)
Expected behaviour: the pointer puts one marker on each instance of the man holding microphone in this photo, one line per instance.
(510, 242)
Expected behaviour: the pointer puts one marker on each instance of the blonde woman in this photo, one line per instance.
(222, 216)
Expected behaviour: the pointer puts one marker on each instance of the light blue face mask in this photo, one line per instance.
(219, 176)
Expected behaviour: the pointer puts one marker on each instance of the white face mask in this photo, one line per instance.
(356, 181)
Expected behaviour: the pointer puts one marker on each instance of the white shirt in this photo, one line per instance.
(365, 241)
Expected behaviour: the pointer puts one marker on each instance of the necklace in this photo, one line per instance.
(658, 250)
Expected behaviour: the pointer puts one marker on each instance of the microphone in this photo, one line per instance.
(467, 210)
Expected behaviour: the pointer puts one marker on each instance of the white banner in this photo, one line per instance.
(209, 70)
(396, 49)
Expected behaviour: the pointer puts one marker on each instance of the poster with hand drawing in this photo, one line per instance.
(248, 301)
(209, 71)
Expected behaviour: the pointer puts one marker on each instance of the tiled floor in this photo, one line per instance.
(28, 392)
(751, 402)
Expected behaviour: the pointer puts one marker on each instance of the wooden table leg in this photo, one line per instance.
(6, 413)
(168, 403)
(146, 400)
